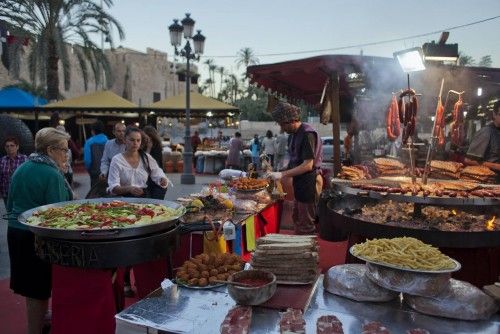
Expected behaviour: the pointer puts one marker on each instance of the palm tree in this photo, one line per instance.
(211, 68)
(233, 87)
(51, 25)
(222, 72)
(485, 61)
(208, 84)
(465, 60)
(246, 57)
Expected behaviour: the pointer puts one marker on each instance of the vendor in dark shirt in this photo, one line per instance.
(304, 148)
(484, 148)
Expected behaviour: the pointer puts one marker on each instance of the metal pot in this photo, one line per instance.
(104, 234)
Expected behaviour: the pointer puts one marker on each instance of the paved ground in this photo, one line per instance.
(82, 186)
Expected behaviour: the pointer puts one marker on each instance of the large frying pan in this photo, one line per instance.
(107, 234)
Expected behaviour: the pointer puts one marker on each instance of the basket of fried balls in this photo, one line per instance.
(204, 269)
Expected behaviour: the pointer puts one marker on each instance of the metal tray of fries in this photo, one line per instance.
(393, 266)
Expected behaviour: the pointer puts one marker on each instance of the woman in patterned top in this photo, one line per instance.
(8, 164)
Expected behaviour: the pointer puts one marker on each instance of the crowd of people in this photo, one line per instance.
(271, 148)
(129, 165)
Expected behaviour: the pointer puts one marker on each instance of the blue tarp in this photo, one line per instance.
(18, 98)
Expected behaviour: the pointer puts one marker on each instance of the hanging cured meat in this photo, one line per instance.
(439, 124)
(392, 120)
(408, 107)
(457, 125)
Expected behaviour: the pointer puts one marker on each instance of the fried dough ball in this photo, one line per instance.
(196, 261)
(228, 259)
(202, 267)
(212, 279)
(214, 272)
(205, 274)
(190, 265)
(204, 258)
(219, 260)
(226, 276)
(202, 282)
(193, 281)
(193, 273)
(230, 272)
(221, 277)
(223, 269)
(211, 260)
(236, 267)
(234, 258)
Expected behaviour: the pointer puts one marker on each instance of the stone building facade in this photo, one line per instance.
(142, 78)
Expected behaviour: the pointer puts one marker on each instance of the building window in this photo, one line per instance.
(156, 97)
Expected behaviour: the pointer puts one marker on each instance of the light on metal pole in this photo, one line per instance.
(176, 30)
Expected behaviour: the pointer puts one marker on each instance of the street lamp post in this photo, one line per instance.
(176, 30)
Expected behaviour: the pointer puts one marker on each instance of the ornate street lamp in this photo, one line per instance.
(176, 30)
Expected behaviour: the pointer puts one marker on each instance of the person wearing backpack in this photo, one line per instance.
(93, 151)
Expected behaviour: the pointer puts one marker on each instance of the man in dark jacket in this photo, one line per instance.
(305, 151)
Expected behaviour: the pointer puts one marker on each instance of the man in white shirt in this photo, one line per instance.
(112, 148)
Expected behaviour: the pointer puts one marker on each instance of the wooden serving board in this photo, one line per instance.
(292, 296)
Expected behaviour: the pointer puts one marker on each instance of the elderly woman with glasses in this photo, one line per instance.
(38, 181)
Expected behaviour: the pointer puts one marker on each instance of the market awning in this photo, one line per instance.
(97, 101)
(304, 79)
(175, 106)
(348, 76)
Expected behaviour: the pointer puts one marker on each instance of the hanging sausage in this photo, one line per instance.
(408, 104)
(457, 125)
(440, 124)
(392, 120)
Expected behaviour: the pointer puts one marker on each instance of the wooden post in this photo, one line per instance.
(335, 99)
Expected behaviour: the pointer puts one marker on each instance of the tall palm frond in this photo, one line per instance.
(210, 63)
(246, 57)
(52, 26)
(485, 61)
(465, 60)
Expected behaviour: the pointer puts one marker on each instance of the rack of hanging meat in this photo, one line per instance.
(456, 209)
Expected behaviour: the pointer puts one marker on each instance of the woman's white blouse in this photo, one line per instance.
(122, 174)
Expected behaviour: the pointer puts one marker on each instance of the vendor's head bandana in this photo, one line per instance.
(285, 113)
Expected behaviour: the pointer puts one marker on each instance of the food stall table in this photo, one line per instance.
(184, 310)
(213, 161)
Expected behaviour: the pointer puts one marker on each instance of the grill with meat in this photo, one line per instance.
(432, 218)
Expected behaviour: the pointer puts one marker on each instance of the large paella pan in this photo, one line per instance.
(102, 218)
